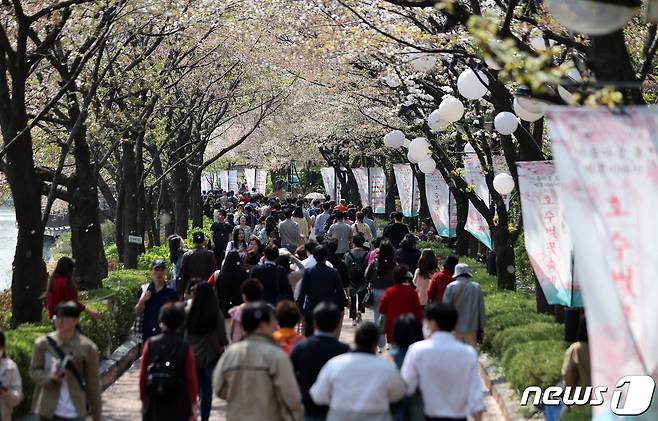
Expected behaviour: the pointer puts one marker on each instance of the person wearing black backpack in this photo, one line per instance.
(168, 385)
(356, 261)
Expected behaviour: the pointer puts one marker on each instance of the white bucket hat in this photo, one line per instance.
(462, 269)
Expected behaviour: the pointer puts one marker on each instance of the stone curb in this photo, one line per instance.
(120, 361)
(502, 391)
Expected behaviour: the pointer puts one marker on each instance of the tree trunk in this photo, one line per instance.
(391, 190)
(424, 211)
(463, 237)
(29, 270)
(130, 206)
(504, 258)
(86, 234)
(118, 221)
(196, 203)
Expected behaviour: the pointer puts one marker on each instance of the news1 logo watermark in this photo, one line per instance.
(638, 395)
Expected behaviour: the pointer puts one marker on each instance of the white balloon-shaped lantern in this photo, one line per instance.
(451, 109)
(423, 63)
(435, 122)
(419, 149)
(472, 84)
(491, 63)
(503, 183)
(506, 123)
(524, 114)
(406, 143)
(574, 76)
(427, 166)
(394, 139)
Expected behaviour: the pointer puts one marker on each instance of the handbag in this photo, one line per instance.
(369, 298)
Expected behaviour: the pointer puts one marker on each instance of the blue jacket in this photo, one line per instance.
(320, 283)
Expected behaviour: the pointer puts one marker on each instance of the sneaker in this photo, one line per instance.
(354, 322)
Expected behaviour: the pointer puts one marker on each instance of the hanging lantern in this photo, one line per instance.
(506, 123)
(406, 143)
(451, 109)
(491, 63)
(423, 63)
(593, 17)
(427, 166)
(394, 139)
(503, 183)
(468, 149)
(472, 84)
(419, 149)
(524, 114)
(435, 122)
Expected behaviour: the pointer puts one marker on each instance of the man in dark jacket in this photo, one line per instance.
(273, 277)
(320, 283)
(197, 263)
(396, 231)
(311, 354)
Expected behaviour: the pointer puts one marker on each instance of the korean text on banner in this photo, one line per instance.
(250, 178)
(361, 176)
(475, 222)
(223, 180)
(261, 181)
(608, 167)
(330, 180)
(233, 180)
(438, 201)
(407, 189)
(378, 190)
(547, 236)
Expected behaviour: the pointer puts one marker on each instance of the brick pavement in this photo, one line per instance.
(121, 400)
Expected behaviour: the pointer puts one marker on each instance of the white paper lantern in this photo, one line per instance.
(406, 143)
(506, 123)
(419, 149)
(524, 114)
(470, 86)
(413, 159)
(423, 63)
(591, 17)
(451, 109)
(394, 139)
(468, 149)
(503, 183)
(435, 122)
(573, 76)
(491, 63)
(427, 166)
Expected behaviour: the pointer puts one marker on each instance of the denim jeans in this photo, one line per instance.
(377, 295)
(204, 377)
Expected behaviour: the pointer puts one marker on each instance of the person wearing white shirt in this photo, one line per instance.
(359, 385)
(444, 369)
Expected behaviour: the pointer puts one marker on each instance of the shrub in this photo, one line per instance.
(126, 285)
(508, 302)
(505, 320)
(525, 333)
(19, 349)
(535, 363)
(145, 260)
(577, 413)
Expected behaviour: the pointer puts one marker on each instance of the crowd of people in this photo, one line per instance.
(253, 315)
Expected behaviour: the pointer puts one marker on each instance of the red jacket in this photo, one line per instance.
(190, 374)
(61, 290)
(398, 300)
(438, 284)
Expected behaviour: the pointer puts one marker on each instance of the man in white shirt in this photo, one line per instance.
(359, 385)
(444, 369)
(310, 261)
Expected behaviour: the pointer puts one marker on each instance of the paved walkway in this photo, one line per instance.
(121, 400)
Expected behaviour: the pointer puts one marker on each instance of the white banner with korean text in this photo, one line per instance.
(223, 180)
(440, 202)
(250, 178)
(233, 180)
(475, 222)
(547, 236)
(378, 190)
(407, 189)
(607, 166)
(331, 183)
(361, 176)
(261, 181)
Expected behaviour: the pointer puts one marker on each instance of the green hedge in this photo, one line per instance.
(528, 345)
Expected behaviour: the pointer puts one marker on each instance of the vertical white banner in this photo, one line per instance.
(361, 176)
(233, 180)
(250, 178)
(608, 169)
(475, 222)
(205, 183)
(261, 181)
(547, 236)
(378, 190)
(438, 201)
(330, 180)
(223, 180)
(407, 189)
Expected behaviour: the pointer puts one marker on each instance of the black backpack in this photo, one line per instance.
(357, 270)
(165, 373)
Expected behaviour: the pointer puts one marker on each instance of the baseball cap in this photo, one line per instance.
(158, 264)
(198, 237)
(67, 309)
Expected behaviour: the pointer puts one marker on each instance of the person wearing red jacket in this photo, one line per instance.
(168, 385)
(399, 299)
(61, 288)
(440, 280)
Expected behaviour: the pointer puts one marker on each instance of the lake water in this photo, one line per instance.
(8, 234)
